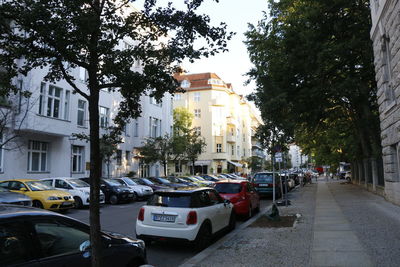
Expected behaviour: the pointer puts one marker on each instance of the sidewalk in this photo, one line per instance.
(340, 225)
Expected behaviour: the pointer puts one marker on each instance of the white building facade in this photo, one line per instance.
(45, 124)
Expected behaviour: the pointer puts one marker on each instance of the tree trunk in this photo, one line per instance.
(193, 167)
(95, 174)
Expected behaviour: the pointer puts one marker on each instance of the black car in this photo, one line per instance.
(177, 180)
(36, 237)
(114, 191)
(165, 182)
(8, 197)
(146, 181)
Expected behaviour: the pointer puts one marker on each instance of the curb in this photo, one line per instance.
(196, 259)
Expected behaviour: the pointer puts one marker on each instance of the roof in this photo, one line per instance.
(10, 211)
(231, 181)
(183, 190)
(201, 81)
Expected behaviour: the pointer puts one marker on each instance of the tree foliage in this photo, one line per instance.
(63, 35)
(313, 66)
(157, 149)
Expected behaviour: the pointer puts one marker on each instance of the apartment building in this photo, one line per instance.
(386, 44)
(224, 118)
(45, 124)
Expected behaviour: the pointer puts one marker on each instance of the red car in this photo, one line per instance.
(241, 194)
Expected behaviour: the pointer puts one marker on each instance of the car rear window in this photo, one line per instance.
(263, 178)
(228, 188)
(173, 200)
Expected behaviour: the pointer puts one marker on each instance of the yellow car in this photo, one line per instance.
(43, 196)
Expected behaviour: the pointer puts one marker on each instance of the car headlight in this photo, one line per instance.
(52, 198)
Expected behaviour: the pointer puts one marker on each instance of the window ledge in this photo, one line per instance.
(58, 119)
(82, 127)
(37, 172)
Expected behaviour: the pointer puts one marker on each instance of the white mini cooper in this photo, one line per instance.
(190, 214)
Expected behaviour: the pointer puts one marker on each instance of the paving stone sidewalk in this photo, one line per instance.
(341, 225)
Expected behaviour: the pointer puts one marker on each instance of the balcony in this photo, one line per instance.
(219, 156)
(217, 102)
(231, 121)
(230, 139)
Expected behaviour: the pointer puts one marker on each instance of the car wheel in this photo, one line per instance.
(37, 204)
(113, 199)
(78, 202)
(232, 221)
(203, 237)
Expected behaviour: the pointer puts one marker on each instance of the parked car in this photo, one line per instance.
(263, 183)
(189, 214)
(80, 190)
(204, 181)
(165, 182)
(194, 180)
(147, 182)
(33, 237)
(42, 195)
(210, 177)
(140, 191)
(179, 180)
(113, 190)
(241, 194)
(8, 197)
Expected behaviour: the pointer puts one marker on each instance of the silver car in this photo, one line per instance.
(8, 197)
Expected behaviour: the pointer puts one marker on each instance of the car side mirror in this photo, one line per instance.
(85, 246)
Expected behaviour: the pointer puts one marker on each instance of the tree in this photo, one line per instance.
(157, 149)
(187, 144)
(65, 35)
(313, 65)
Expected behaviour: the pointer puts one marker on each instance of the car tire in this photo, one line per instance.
(113, 199)
(232, 221)
(78, 202)
(203, 237)
(37, 204)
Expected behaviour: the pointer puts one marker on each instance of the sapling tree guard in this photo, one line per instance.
(63, 35)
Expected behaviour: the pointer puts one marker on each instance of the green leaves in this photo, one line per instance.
(313, 66)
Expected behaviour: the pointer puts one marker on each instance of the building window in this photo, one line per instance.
(219, 148)
(81, 113)
(232, 150)
(197, 97)
(54, 102)
(119, 157)
(104, 113)
(387, 69)
(155, 127)
(37, 156)
(77, 158)
(83, 74)
(42, 98)
(177, 97)
(128, 157)
(66, 105)
(185, 84)
(238, 151)
(197, 113)
(244, 152)
(197, 130)
(136, 128)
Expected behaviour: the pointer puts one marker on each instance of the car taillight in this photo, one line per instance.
(191, 218)
(141, 215)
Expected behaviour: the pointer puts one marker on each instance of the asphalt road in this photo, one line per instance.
(122, 219)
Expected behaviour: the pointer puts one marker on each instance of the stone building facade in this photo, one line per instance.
(385, 34)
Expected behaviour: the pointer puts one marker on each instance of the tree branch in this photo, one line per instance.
(70, 82)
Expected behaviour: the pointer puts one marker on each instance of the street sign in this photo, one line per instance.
(278, 159)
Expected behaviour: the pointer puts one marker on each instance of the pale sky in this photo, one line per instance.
(232, 65)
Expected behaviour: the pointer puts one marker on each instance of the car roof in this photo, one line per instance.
(183, 190)
(22, 180)
(231, 181)
(10, 211)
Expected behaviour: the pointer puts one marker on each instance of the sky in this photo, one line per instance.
(230, 66)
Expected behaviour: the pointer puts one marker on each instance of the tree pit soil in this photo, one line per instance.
(283, 221)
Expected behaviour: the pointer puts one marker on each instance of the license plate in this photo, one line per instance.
(266, 185)
(66, 204)
(130, 195)
(163, 218)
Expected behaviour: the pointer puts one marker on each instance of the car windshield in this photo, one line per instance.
(199, 178)
(39, 186)
(130, 181)
(113, 182)
(183, 180)
(78, 183)
(146, 181)
(170, 200)
(165, 181)
(263, 178)
(228, 188)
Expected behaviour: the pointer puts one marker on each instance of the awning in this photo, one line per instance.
(200, 163)
(235, 164)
